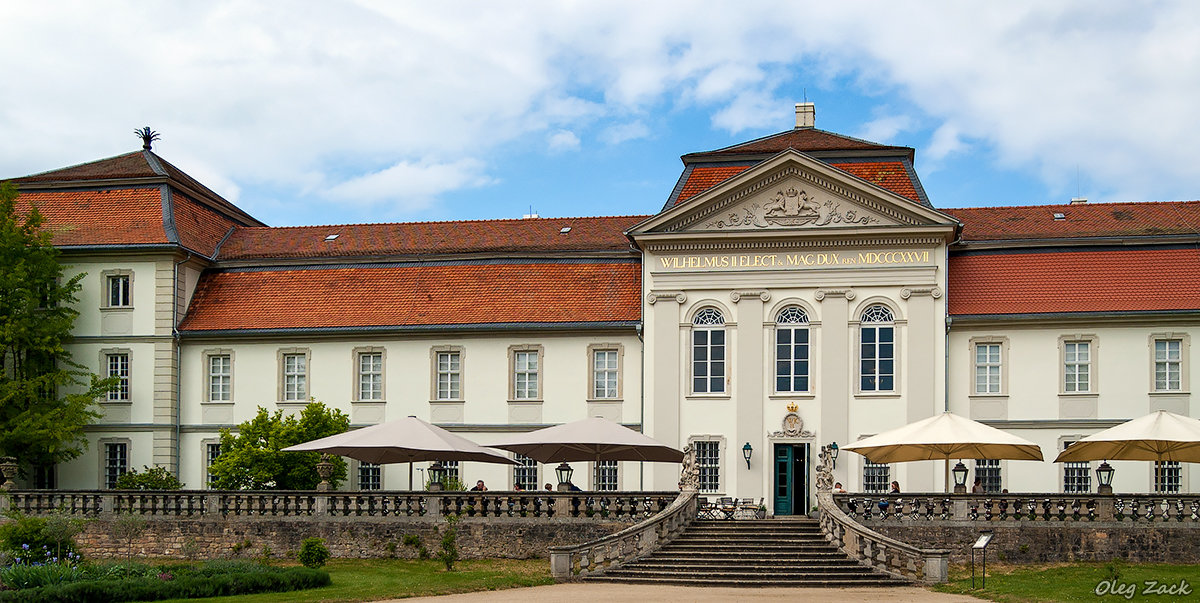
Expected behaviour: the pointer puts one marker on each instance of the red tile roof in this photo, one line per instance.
(397, 296)
(890, 175)
(803, 140)
(1123, 280)
(535, 235)
(101, 217)
(1137, 219)
(200, 228)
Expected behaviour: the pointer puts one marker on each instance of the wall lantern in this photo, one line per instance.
(747, 452)
(564, 473)
(833, 452)
(437, 475)
(960, 478)
(1104, 475)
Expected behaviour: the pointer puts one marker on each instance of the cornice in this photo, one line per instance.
(721, 242)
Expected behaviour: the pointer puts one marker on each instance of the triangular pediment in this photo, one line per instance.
(793, 192)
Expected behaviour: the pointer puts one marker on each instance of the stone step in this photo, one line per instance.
(852, 573)
(707, 569)
(753, 557)
(811, 582)
(748, 538)
(736, 548)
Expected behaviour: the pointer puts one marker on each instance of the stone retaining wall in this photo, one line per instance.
(205, 538)
(1030, 542)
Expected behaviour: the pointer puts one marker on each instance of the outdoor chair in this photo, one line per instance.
(727, 505)
(705, 509)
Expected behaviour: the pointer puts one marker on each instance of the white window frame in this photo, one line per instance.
(374, 474)
(1069, 383)
(294, 395)
(110, 359)
(109, 278)
(436, 373)
(872, 474)
(525, 472)
(1081, 470)
(606, 476)
(988, 467)
(109, 479)
(1181, 362)
(877, 328)
(998, 362)
(792, 325)
(376, 391)
(705, 321)
(711, 463)
(516, 370)
(218, 386)
(1169, 473)
(209, 457)
(610, 351)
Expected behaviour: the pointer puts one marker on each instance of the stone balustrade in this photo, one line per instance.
(1035, 507)
(533, 505)
(628, 545)
(878, 551)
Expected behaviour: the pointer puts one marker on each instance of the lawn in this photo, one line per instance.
(1080, 582)
(375, 579)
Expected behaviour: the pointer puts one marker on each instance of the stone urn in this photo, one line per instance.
(325, 471)
(8, 466)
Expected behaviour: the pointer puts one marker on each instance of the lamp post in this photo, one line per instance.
(833, 453)
(564, 473)
(747, 452)
(437, 476)
(1104, 475)
(960, 478)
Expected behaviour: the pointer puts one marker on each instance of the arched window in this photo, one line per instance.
(708, 352)
(791, 350)
(877, 350)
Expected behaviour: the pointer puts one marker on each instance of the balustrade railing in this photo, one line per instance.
(878, 551)
(1035, 507)
(629, 544)
(574, 506)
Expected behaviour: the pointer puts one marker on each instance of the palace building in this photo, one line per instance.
(792, 291)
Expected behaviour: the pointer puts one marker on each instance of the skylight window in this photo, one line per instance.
(1060, 216)
(564, 230)
(331, 237)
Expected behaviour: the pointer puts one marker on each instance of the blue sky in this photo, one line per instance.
(365, 111)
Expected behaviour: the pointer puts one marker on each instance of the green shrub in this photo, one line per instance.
(313, 552)
(33, 575)
(449, 552)
(24, 533)
(151, 478)
(175, 583)
(412, 540)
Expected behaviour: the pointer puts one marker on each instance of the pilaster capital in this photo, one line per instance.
(847, 293)
(761, 294)
(654, 296)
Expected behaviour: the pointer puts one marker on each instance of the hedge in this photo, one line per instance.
(184, 583)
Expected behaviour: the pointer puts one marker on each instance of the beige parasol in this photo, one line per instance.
(1158, 436)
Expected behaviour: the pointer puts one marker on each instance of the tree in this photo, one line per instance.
(251, 460)
(46, 400)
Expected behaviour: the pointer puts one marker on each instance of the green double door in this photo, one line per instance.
(791, 479)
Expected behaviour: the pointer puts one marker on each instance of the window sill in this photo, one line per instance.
(525, 401)
(792, 396)
(870, 395)
(1170, 392)
(116, 308)
(707, 396)
(218, 403)
(449, 401)
(605, 400)
(987, 396)
(368, 401)
(116, 402)
(1079, 394)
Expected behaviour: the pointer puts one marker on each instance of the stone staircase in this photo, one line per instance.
(767, 552)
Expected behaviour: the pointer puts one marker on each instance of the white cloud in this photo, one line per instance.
(625, 132)
(884, 129)
(409, 186)
(562, 140)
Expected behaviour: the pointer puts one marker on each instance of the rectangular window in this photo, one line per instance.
(211, 452)
(987, 368)
(791, 359)
(877, 477)
(370, 476)
(708, 461)
(118, 291)
(220, 378)
(1077, 477)
(295, 377)
(525, 375)
(370, 376)
(449, 376)
(118, 366)
(1168, 364)
(1168, 477)
(451, 469)
(606, 476)
(45, 477)
(708, 361)
(1077, 366)
(116, 462)
(878, 360)
(987, 471)
(604, 374)
(525, 473)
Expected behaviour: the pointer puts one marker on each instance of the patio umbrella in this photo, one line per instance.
(944, 437)
(1158, 436)
(406, 440)
(594, 439)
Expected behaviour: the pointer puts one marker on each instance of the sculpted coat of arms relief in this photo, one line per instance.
(789, 207)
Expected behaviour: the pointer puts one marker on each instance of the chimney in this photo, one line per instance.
(806, 115)
(1078, 200)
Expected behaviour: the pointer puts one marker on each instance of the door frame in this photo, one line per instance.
(769, 475)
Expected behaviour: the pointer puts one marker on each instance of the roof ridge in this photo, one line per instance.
(433, 222)
(80, 164)
(785, 132)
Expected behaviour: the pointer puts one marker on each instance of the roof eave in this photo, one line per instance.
(394, 329)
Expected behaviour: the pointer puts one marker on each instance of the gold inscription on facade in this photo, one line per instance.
(793, 260)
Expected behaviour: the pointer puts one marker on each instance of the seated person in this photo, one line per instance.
(573, 488)
(479, 487)
(517, 487)
(838, 489)
(549, 488)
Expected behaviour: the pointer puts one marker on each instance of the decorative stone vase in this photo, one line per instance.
(325, 471)
(8, 466)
